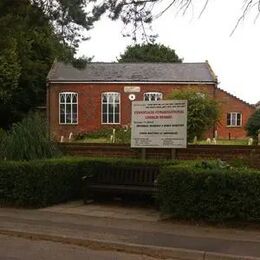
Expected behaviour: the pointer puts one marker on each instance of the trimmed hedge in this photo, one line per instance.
(46, 182)
(187, 190)
(210, 194)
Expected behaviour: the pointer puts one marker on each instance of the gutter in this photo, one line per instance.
(130, 82)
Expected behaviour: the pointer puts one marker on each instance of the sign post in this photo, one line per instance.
(159, 124)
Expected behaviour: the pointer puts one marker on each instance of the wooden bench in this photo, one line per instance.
(121, 180)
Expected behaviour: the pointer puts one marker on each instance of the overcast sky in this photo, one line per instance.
(235, 59)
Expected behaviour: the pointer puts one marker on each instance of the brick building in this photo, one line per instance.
(100, 95)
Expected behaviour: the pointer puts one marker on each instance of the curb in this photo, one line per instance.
(152, 251)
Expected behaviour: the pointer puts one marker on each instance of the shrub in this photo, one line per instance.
(203, 112)
(122, 135)
(253, 125)
(38, 183)
(29, 140)
(3, 139)
(211, 194)
(46, 182)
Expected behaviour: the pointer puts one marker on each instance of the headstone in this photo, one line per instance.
(70, 136)
(195, 140)
(214, 141)
(250, 141)
(216, 134)
(114, 136)
(111, 139)
(208, 141)
(62, 139)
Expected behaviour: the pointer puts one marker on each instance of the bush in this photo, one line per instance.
(122, 135)
(38, 183)
(210, 194)
(203, 112)
(253, 125)
(29, 140)
(47, 182)
(3, 139)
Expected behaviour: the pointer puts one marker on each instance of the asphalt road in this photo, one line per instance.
(13, 248)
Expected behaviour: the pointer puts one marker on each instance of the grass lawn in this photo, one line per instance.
(104, 140)
(227, 142)
(101, 140)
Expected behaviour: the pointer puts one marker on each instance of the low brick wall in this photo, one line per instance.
(223, 152)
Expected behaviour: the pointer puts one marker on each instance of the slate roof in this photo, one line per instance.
(133, 72)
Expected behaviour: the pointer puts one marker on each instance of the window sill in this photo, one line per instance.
(110, 123)
(64, 124)
(234, 126)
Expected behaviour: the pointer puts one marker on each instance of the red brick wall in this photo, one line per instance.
(89, 106)
(229, 103)
(251, 154)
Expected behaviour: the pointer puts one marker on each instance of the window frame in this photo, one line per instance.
(230, 114)
(65, 104)
(153, 93)
(107, 113)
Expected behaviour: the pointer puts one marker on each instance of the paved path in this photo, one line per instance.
(130, 231)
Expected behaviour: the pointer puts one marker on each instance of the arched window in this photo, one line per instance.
(68, 103)
(110, 108)
(152, 96)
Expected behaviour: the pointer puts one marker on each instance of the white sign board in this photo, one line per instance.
(159, 124)
(131, 89)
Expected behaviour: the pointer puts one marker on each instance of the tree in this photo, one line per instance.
(140, 13)
(10, 71)
(203, 112)
(149, 53)
(253, 125)
(28, 50)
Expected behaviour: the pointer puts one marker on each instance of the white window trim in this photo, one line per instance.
(241, 119)
(69, 93)
(152, 93)
(110, 92)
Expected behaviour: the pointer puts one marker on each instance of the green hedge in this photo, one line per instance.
(187, 190)
(46, 182)
(210, 194)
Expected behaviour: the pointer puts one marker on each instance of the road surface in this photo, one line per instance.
(13, 248)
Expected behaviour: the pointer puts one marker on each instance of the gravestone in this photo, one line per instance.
(250, 141)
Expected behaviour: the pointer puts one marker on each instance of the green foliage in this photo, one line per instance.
(46, 182)
(122, 135)
(185, 191)
(28, 140)
(210, 194)
(38, 183)
(213, 164)
(29, 47)
(3, 140)
(253, 125)
(203, 112)
(149, 53)
(9, 70)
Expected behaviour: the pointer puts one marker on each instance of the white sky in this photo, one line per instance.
(234, 59)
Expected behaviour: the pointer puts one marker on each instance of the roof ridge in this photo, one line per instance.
(251, 105)
(124, 63)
